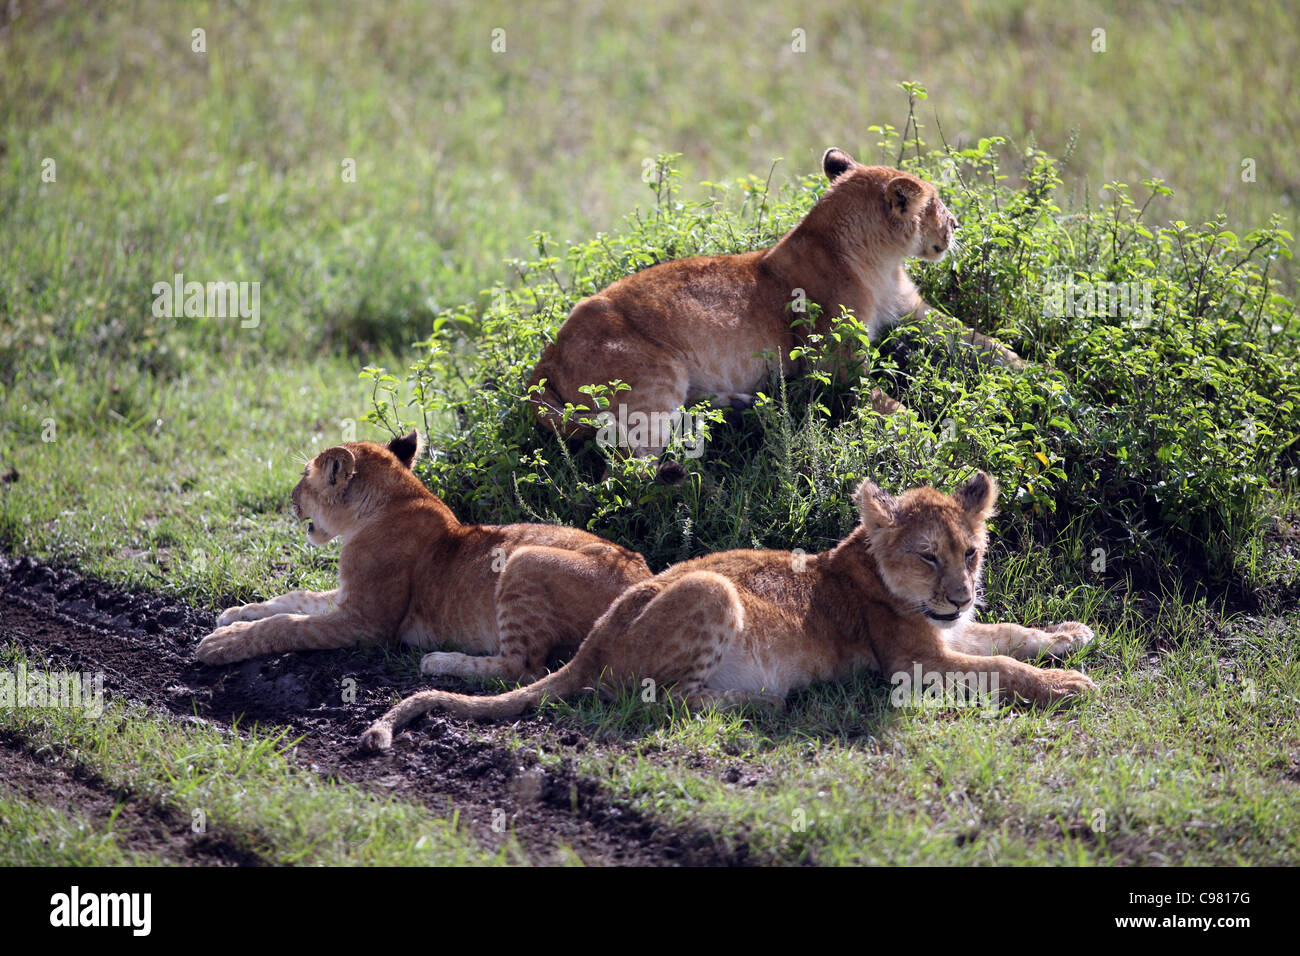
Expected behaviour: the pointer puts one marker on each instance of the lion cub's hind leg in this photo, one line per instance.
(295, 602)
(546, 597)
(1022, 643)
(676, 641)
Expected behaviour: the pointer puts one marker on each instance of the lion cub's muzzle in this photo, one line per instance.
(297, 510)
(959, 607)
(947, 234)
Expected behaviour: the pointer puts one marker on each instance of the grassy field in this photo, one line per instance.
(390, 176)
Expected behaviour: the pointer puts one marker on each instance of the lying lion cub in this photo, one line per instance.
(708, 326)
(895, 596)
(410, 570)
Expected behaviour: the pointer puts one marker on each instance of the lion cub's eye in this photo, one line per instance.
(970, 554)
(932, 559)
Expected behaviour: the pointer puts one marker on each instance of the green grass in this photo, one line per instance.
(175, 441)
(227, 164)
(33, 834)
(180, 483)
(243, 786)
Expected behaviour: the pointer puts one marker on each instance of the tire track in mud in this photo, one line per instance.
(144, 646)
(140, 825)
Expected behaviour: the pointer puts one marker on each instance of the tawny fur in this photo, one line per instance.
(752, 626)
(717, 325)
(504, 597)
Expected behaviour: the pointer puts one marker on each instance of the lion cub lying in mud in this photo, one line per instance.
(707, 326)
(410, 571)
(752, 626)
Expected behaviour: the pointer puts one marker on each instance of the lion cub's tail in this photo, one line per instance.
(570, 678)
(549, 403)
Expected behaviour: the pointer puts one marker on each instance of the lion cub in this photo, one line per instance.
(712, 325)
(410, 571)
(895, 596)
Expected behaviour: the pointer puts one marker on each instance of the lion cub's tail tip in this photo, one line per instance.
(378, 737)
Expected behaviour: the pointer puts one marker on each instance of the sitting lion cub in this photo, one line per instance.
(707, 326)
(410, 570)
(895, 596)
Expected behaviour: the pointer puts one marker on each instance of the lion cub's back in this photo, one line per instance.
(679, 300)
(514, 536)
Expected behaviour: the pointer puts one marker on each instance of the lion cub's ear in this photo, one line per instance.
(879, 509)
(977, 498)
(337, 466)
(406, 447)
(836, 162)
(903, 195)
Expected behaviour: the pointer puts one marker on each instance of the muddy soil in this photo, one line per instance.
(49, 779)
(144, 645)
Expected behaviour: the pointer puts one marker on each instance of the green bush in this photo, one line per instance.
(1156, 421)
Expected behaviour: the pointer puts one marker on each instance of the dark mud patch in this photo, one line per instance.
(139, 825)
(144, 645)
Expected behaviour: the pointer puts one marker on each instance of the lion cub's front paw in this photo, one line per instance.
(225, 645)
(1050, 686)
(241, 612)
(1070, 684)
(1070, 636)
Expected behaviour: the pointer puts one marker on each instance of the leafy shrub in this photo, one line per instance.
(1157, 419)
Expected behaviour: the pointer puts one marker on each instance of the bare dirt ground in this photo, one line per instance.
(144, 646)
